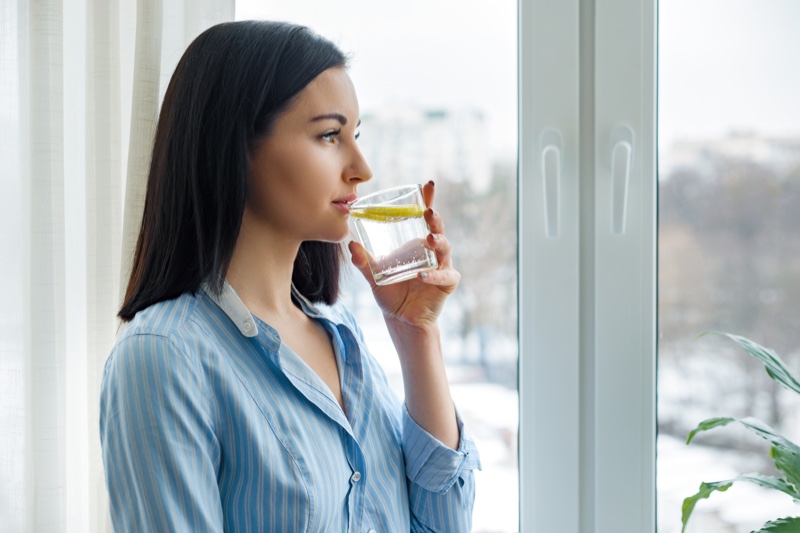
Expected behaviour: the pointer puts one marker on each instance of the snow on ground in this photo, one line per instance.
(491, 415)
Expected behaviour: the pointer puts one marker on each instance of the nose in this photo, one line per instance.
(358, 171)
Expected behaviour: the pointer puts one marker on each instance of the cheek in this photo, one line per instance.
(289, 181)
(266, 181)
(257, 194)
(264, 198)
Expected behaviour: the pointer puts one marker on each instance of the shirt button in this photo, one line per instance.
(372, 531)
(247, 327)
(356, 477)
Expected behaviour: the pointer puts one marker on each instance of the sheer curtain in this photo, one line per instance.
(80, 86)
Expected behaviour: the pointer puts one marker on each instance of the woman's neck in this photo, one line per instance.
(261, 270)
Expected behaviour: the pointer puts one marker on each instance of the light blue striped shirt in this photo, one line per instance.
(209, 423)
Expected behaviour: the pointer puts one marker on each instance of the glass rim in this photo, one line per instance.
(410, 188)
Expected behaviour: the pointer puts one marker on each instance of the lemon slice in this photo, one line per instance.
(387, 213)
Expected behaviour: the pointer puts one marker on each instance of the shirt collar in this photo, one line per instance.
(228, 300)
(232, 305)
(308, 308)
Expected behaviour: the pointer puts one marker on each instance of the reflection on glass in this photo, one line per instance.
(428, 114)
(729, 256)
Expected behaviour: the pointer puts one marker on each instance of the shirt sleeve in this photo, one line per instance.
(159, 449)
(441, 480)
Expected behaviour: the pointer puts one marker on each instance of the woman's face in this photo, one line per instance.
(303, 174)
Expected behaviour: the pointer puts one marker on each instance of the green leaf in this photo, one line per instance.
(764, 431)
(784, 452)
(705, 425)
(781, 525)
(775, 367)
(788, 463)
(706, 489)
(770, 482)
(753, 424)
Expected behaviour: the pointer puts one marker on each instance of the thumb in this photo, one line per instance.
(358, 256)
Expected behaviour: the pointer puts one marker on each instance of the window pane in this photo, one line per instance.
(437, 86)
(729, 257)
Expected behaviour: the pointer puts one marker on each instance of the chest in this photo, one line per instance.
(286, 445)
(311, 343)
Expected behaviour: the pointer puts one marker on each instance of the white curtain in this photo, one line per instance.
(80, 86)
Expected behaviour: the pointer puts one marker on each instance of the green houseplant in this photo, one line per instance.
(784, 453)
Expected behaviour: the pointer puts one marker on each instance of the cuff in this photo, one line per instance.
(432, 465)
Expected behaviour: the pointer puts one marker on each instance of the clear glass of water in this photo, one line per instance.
(391, 226)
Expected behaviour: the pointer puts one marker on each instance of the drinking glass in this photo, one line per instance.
(391, 226)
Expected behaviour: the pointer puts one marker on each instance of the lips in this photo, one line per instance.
(344, 202)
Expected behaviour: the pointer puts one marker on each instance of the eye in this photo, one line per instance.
(330, 136)
(358, 134)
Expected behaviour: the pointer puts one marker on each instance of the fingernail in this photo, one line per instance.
(434, 237)
(431, 182)
(423, 275)
(431, 211)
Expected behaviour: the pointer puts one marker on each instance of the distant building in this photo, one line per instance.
(702, 156)
(406, 144)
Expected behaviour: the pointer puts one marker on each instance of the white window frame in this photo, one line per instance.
(587, 265)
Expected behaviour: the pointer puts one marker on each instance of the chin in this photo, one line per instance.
(340, 240)
(335, 237)
(343, 234)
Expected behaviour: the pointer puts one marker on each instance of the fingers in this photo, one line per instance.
(358, 256)
(433, 219)
(445, 278)
(435, 222)
(428, 193)
(441, 247)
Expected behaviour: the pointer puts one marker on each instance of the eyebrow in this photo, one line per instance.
(335, 116)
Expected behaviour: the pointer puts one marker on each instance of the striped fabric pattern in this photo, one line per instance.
(209, 423)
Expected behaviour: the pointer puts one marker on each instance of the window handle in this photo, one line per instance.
(621, 163)
(551, 180)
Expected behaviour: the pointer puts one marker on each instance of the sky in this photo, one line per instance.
(724, 65)
(729, 65)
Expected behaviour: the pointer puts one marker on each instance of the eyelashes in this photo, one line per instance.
(329, 136)
(332, 135)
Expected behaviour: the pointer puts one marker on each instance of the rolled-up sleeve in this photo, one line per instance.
(159, 449)
(441, 480)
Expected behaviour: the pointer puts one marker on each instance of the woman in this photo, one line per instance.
(241, 396)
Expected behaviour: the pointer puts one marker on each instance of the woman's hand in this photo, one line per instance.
(416, 302)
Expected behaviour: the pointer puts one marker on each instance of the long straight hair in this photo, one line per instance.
(224, 96)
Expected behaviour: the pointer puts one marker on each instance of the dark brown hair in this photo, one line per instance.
(224, 96)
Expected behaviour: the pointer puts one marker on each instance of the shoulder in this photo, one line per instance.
(153, 364)
(154, 341)
(165, 318)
